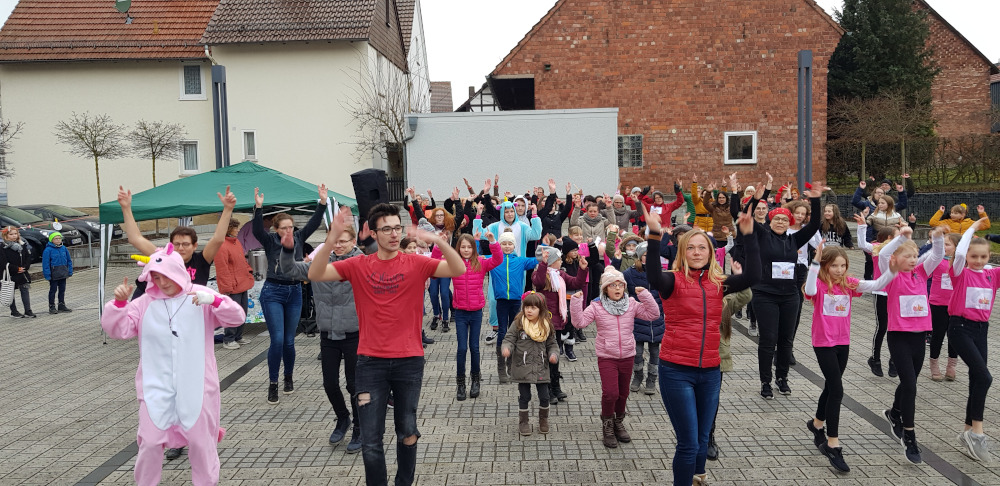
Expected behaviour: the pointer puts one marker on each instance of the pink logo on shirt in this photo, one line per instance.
(192, 271)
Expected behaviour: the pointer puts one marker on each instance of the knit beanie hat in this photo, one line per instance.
(53, 235)
(506, 236)
(554, 254)
(618, 198)
(568, 245)
(426, 225)
(611, 276)
(635, 190)
(640, 250)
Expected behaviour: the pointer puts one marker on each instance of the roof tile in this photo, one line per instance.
(244, 21)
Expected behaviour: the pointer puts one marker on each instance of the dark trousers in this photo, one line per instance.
(332, 353)
(881, 325)
(832, 362)
(869, 266)
(776, 321)
(506, 310)
(750, 313)
(376, 379)
(524, 395)
(969, 338)
(25, 298)
(940, 320)
(57, 286)
(232, 334)
(907, 351)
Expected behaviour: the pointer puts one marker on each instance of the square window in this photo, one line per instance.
(192, 82)
(740, 147)
(249, 145)
(190, 150)
(630, 151)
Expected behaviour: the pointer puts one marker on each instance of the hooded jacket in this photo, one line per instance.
(336, 314)
(523, 233)
(621, 216)
(614, 333)
(507, 279)
(56, 262)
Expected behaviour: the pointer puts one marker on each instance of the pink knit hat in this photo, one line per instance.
(611, 276)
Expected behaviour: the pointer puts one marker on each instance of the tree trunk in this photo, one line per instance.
(902, 153)
(97, 172)
(864, 148)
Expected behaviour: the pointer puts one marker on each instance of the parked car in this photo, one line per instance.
(78, 220)
(11, 216)
(37, 240)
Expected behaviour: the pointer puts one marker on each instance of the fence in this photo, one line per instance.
(397, 188)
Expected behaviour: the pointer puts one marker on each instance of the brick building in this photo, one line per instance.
(704, 87)
(961, 91)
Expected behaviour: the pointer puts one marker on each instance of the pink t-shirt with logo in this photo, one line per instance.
(831, 325)
(941, 284)
(974, 293)
(909, 309)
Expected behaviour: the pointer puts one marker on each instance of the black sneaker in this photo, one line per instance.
(16, 315)
(172, 454)
(580, 336)
(895, 423)
(836, 457)
(911, 449)
(427, 340)
(783, 388)
(30, 314)
(892, 369)
(63, 308)
(272, 393)
(289, 387)
(570, 355)
(53, 310)
(713, 448)
(819, 435)
(340, 430)
(765, 391)
(434, 323)
(875, 365)
(444, 326)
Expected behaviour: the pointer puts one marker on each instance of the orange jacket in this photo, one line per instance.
(958, 226)
(233, 274)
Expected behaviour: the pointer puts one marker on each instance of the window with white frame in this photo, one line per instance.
(190, 157)
(249, 145)
(740, 147)
(630, 151)
(192, 82)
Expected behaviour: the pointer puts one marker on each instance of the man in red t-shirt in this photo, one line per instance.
(388, 291)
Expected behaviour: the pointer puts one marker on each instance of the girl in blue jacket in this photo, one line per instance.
(57, 266)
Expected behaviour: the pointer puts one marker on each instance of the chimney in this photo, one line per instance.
(472, 91)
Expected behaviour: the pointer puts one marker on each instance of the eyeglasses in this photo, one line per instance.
(617, 285)
(388, 230)
(183, 244)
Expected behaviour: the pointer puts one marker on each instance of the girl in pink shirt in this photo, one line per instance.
(940, 297)
(831, 290)
(970, 307)
(909, 321)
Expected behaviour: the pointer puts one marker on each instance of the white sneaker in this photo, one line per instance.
(491, 337)
(231, 345)
(244, 341)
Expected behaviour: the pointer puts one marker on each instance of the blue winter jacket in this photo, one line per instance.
(56, 261)
(645, 331)
(508, 278)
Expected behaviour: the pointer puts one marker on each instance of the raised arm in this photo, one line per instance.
(885, 253)
(937, 251)
(221, 228)
(320, 269)
(648, 310)
(962, 250)
(135, 238)
(662, 282)
(752, 268)
(317, 216)
(259, 231)
(286, 260)
(802, 237)
(875, 285)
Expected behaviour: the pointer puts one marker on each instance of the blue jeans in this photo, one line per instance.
(467, 326)
(375, 379)
(282, 307)
(691, 397)
(440, 287)
(506, 311)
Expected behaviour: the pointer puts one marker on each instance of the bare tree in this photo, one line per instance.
(156, 140)
(379, 105)
(8, 132)
(94, 136)
(889, 117)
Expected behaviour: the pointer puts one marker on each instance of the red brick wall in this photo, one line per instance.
(682, 74)
(961, 91)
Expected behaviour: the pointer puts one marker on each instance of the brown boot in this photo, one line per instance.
(608, 429)
(935, 370)
(620, 433)
(523, 426)
(543, 420)
(949, 372)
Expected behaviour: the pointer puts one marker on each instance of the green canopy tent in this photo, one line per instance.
(196, 195)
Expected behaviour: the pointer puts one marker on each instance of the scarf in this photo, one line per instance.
(538, 330)
(557, 284)
(592, 221)
(615, 307)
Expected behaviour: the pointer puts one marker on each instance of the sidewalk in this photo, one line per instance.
(69, 417)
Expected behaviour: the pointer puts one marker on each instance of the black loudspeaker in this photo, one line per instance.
(370, 188)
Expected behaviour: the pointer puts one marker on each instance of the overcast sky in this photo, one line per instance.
(466, 39)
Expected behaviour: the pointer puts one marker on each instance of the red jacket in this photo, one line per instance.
(694, 312)
(233, 274)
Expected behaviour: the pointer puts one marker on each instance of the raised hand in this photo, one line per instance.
(725, 231)
(980, 208)
(323, 193)
(900, 188)
(258, 197)
(859, 219)
(552, 186)
(912, 218)
(569, 187)
(737, 268)
(907, 232)
(123, 291)
(906, 176)
(365, 233)
(534, 209)
(746, 223)
(863, 185)
(770, 179)
(583, 266)
(867, 210)
(817, 190)
(454, 194)
(487, 186)
(124, 198)
(639, 290)
(819, 250)
(340, 222)
(652, 220)
(496, 179)
(288, 240)
(229, 200)
(429, 194)
(490, 237)
(411, 191)
(545, 256)
(941, 209)
(479, 209)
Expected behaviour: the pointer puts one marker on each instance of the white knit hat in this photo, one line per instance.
(506, 236)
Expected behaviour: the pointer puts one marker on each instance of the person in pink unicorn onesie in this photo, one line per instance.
(177, 382)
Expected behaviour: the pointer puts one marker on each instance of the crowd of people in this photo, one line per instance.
(662, 277)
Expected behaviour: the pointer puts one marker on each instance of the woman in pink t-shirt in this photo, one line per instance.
(970, 307)
(909, 321)
(831, 290)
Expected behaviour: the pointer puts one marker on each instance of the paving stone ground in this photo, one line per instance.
(69, 417)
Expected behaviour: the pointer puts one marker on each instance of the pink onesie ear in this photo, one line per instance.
(170, 248)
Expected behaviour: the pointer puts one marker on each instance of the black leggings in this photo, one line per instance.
(750, 313)
(777, 330)
(24, 289)
(969, 338)
(907, 351)
(869, 266)
(525, 395)
(832, 362)
(881, 325)
(939, 319)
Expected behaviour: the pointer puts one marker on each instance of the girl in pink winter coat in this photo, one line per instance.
(615, 313)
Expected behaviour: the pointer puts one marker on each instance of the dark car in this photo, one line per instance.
(80, 221)
(37, 241)
(11, 216)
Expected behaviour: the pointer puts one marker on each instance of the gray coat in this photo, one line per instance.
(529, 359)
(335, 311)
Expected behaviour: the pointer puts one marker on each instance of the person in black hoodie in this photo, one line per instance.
(553, 213)
(775, 298)
(16, 258)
